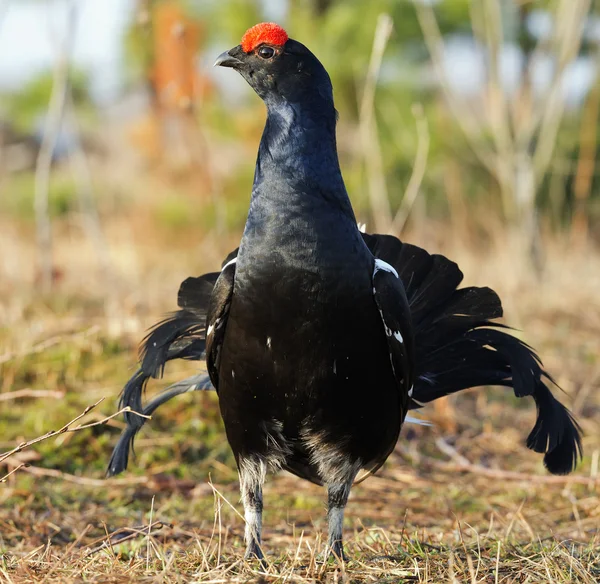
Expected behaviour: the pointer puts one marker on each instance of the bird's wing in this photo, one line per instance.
(216, 320)
(394, 310)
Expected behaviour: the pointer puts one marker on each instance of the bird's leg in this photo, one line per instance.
(252, 477)
(337, 497)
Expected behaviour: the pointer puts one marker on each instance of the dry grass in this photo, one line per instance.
(463, 501)
(415, 525)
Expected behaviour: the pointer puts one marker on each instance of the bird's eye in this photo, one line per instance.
(266, 52)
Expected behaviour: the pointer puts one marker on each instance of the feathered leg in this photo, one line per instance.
(338, 491)
(252, 477)
(337, 497)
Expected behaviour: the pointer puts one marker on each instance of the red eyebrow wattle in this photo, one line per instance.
(265, 32)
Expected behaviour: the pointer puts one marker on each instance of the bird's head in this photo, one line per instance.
(278, 68)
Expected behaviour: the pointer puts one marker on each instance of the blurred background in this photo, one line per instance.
(470, 128)
(119, 141)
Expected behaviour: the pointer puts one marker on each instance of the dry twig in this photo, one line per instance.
(46, 344)
(380, 204)
(518, 160)
(418, 172)
(126, 534)
(31, 393)
(80, 169)
(52, 126)
(68, 427)
(83, 481)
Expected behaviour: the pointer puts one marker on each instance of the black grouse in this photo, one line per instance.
(319, 338)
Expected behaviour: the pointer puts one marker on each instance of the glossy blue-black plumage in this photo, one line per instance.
(308, 346)
(304, 335)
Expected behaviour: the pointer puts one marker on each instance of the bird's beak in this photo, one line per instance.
(226, 59)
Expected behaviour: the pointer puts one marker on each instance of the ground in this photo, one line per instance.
(461, 501)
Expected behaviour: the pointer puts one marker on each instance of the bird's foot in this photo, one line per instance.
(254, 552)
(335, 551)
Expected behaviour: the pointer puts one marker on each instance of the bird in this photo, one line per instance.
(320, 338)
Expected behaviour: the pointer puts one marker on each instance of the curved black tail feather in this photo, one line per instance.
(179, 336)
(120, 455)
(130, 396)
(556, 433)
(182, 335)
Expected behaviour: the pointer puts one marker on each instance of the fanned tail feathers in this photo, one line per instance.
(459, 346)
(182, 335)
